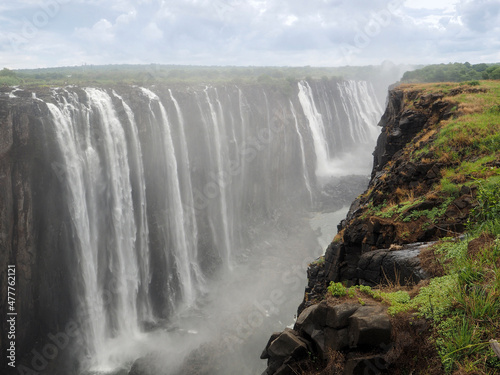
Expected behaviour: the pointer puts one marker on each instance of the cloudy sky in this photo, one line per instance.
(45, 33)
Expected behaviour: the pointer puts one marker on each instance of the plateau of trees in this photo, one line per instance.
(172, 74)
(453, 72)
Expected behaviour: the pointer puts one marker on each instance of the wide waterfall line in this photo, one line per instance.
(165, 187)
(72, 171)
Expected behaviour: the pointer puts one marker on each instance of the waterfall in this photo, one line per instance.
(167, 189)
(363, 111)
(175, 216)
(190, 214)
(317, 128)
(302, 153)
(217, 126)
(109, 308)
(142, 242)
(343, 127)
(78, 187)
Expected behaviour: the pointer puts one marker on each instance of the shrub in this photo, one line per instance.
(337, 289)
(488, 199)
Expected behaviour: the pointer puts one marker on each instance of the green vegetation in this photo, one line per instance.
(8, 78)
(397, 301)
(467, 146)
(337, 289)
(185, 74)
(473, 319)
(318, 262)
(462, 304)
(453, 72)
(404, 212)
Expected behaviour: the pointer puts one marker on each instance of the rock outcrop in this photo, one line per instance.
(365, 331)
(382, 238)
(372, 248)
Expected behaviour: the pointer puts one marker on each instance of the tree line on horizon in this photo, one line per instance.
(452, 72)
(156, 73)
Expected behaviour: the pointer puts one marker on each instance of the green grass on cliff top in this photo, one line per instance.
(469, 142)
(467, 145)
(467, 316)
(474, 129)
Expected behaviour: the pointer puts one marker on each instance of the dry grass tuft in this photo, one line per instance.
(404, 194)
(445, 158)
(431, 262)
(461, 140)
(431, 196)
(476, 105)
(459, 178)
(478, 245)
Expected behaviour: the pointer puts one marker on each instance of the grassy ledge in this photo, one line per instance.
(461, 303)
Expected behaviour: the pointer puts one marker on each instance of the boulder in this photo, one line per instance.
(400, 266)
(313, 317)
(265, 353)
(284, 370)
(369, 326)
(336, 339)
(288, 345)
(338, 316)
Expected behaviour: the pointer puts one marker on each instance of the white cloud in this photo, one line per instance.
(290, 20)
(125, 19)
(100, 32)
(152, 31)
(448, 5)
(481, 15)
(259, 32)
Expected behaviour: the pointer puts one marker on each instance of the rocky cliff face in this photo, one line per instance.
(387, 216)
(381, 241)
(27, 188)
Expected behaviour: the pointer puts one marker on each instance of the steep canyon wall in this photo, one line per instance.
(119, 204)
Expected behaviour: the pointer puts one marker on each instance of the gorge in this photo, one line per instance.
(413, 269)
(147, 223)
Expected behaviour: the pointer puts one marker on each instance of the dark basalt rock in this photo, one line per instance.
(369, 326)
(338, 316)
(284, 348)
(265, 354)
(402, 265)
(312, 318)
(327, 326)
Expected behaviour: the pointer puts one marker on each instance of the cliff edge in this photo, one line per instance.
(390, 293)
